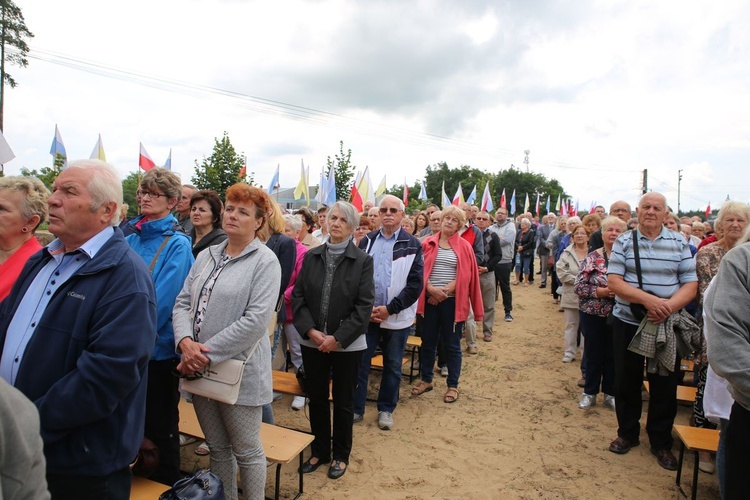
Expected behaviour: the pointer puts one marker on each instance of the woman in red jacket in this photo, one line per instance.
(451, 279)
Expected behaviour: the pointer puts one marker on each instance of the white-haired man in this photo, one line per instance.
(76, 334)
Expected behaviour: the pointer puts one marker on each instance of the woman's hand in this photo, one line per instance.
(316, 336)
(193, 359)
(450, 288)
(329, 344)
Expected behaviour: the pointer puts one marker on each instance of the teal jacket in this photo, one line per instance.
(169, 273)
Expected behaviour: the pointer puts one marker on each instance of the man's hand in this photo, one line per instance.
(658, 309)
(379, 314)
(482, 270)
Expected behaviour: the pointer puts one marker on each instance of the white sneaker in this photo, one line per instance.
(298, 403)
(587, 401)
(277, 395)
(385, 420)
(609, 402)
(568, 358)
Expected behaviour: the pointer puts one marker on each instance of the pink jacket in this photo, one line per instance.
(301, 251)
(468, 290)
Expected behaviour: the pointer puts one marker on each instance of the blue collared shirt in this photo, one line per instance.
(382, 255)
(34, 302)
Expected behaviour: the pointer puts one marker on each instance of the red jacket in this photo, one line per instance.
(468, 290)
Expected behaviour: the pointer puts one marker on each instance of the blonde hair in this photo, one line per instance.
(456, 212)
(35, 195)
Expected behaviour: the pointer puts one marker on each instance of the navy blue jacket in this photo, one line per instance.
(85, 366)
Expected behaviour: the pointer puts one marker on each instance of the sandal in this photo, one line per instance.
(451, 395)
(421, 388)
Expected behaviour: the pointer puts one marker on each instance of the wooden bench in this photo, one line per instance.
(685, 393)
(280, 444)
(286, 383)
(694, 439)
(146, 489)
(413, 345)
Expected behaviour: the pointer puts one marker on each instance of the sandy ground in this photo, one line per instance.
(515, 432)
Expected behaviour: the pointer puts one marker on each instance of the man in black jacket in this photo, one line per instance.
(492, 255)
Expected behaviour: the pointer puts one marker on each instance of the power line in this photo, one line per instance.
(301, 113)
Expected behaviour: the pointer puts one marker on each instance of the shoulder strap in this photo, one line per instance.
(156, 255)
(637, 259)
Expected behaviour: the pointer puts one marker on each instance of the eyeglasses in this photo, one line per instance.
(392, 210)
(149, 194)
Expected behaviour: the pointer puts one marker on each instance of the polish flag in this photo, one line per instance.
(503, 203)
(406, 193)
(144, 160)
(356, 198)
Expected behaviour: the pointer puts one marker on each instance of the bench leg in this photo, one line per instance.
(278, 481)
(695, 477)
(679, 469)
(301, 476)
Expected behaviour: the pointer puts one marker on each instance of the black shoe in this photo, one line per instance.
(308, 467)
(622, 445)
(665, 458)
(543, 285)
(335, 471)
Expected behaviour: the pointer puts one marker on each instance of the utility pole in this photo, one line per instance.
(526, 159)
(645, 181)
(679, 179)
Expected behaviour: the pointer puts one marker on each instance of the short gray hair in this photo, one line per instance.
(733, 208)
(525, 222)
(389, 197)
(293, 221)
(105, 186)
(351, 216)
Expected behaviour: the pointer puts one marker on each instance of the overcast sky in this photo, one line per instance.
(596, 90)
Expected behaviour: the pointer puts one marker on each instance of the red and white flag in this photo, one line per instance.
(406, 193)
(503, 203)
(356, 198)
(144, 160)
(708, 210)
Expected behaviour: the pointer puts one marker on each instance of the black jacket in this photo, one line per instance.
(216, 236)
(352, 294)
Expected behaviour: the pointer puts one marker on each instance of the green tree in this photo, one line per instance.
(46, 174)
(343, 172)
(13, 35)
(221, 169)
(129, 187)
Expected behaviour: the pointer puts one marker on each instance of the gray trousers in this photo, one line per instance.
(487, 284)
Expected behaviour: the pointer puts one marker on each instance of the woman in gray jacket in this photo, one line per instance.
(223, 313)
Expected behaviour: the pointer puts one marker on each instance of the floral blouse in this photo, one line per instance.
(592, 275)
(706, 266)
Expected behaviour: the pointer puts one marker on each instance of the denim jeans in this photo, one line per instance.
(439, 321)
(392, 343)
(598, 354)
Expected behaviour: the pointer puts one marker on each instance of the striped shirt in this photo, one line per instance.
(444, 270)
(666, 265)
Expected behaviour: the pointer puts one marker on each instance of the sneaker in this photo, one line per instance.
(508, 317)
(186, 440)
(472, 349)
(568, 358)
(587, 401)
(358, 417)
(298, 403)
(385, 420)
(444, 371)
(277, 395)
(609, 402)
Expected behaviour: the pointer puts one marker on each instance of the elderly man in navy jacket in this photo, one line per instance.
(398, 268)
(76, 334)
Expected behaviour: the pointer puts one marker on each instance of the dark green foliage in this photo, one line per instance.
(221, 169)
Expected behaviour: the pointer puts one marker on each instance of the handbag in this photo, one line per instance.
(220, 382)
(203, 485)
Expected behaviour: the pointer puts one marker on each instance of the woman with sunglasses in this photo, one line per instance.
(158, 239)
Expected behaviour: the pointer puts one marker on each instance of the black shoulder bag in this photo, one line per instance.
(638, 310)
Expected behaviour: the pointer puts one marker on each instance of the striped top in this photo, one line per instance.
(444, 270)
(666, 265)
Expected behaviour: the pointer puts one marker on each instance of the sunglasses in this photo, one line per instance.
(392, 210)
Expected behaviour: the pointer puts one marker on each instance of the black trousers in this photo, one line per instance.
(113, 486)
(163, 419)
(737, 444)
(502, 278)
(662, 406)
(341, 368)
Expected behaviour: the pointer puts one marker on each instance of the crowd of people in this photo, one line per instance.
(99, 327)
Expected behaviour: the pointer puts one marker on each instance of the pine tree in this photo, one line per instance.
(13, 35)
(343, 173)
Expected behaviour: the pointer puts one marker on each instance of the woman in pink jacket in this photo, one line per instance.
(451, 280)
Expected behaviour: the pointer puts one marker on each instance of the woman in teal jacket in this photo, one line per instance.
(167, 251)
